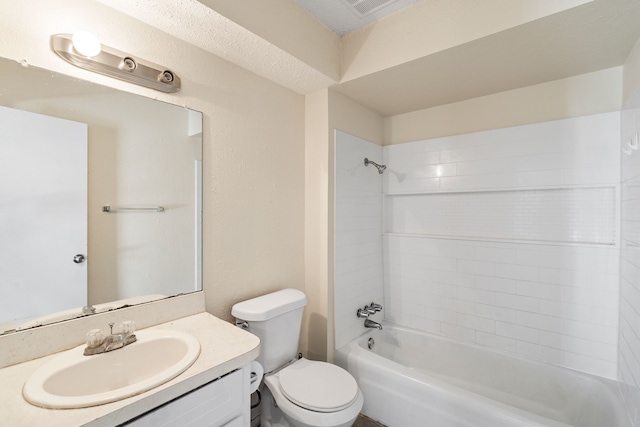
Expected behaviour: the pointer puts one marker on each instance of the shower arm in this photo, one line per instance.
(367, 162)
(380, 168)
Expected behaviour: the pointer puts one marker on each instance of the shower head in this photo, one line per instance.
(381, 168)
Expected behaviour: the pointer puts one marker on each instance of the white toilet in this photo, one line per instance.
(306, 393)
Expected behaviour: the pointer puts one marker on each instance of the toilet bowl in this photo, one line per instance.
(310, 394)
(296, 392)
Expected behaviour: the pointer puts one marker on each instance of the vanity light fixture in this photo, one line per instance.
(84, 50)
(86, 44)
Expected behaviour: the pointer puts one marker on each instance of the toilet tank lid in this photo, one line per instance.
(269, 306)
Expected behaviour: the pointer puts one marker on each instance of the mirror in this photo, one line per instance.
(131, 168)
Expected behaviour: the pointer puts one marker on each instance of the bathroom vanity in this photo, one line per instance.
(216, 386)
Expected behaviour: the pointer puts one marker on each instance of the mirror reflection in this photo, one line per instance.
(100, 198)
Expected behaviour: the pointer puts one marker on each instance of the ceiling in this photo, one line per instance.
(592, 37)
(459, 49)
(342, 17)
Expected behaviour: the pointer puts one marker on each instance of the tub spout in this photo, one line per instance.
(368, 323)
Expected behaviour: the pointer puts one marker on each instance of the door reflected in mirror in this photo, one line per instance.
(43, 222)
(142, 159)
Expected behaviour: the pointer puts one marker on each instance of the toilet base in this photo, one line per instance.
(272, 416)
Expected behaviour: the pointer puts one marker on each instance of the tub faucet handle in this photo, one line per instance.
(375, 307)
(363, 313)
(369, 310)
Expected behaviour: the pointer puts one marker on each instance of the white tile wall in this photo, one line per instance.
(358, 244)
(552, 302)
(577, 215)
(629, 337)
(453, 287)
(576, 151)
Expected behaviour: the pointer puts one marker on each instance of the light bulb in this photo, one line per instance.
(86, 44)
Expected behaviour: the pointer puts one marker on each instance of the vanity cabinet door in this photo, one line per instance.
(215, 404)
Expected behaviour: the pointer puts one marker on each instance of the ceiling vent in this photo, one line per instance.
(364, 7)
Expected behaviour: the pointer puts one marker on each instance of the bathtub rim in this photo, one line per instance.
(610, 387)
(391, 325)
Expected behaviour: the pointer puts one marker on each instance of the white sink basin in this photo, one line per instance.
(72, 380)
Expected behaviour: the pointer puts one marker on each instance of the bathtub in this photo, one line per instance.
(414, 379)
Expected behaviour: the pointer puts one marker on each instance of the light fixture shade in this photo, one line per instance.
(86, 44)
(117, 64)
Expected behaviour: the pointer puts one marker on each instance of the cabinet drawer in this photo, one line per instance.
(211, 405)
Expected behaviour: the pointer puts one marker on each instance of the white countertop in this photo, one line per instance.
(224, 348)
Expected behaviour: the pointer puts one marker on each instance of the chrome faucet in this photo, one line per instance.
(367, 311)
(375, 307)
(368, 323)
(98, 343)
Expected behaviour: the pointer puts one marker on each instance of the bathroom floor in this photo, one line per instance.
(363, 421)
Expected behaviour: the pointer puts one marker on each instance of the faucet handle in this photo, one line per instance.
(94, 338)
(362, 313)
(128, 327)
(370, 310)
(376, 307)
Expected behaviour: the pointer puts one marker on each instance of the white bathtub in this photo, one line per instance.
(413, 379)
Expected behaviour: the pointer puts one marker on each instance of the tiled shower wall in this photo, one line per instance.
(358, 244)
(629, 338)
(508, 239)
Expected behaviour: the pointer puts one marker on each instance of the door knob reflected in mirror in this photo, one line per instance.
(79, 259)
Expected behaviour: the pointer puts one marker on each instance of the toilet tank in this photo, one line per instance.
(276, 319)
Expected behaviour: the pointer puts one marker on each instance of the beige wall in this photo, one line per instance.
(582, 95)
(317, 261)
(351, 117)
(289, 26)
(275, 39)
(326, 111)
(631, 72)
(253, 142)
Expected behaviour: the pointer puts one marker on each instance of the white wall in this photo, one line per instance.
(358, 227)
(629, 338)
(527, 286)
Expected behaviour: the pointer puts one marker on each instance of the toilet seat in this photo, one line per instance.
(318, 386)
(299, 416)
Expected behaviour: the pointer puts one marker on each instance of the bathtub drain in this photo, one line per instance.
(370, 343)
